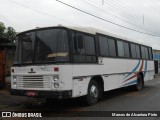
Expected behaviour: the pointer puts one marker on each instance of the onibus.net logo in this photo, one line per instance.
(21, 114)
(6, 114)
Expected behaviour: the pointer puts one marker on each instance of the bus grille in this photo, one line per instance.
(32, 82)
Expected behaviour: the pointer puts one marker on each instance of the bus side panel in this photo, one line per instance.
(149, 70)
(65, 76)
(80, 86)
(116, 73)
(138, 66)
(112, 81)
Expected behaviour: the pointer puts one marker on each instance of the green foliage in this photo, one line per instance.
(8, 33)
(2, 30)
(11, 34)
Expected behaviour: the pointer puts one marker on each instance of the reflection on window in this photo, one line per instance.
(103, 45)
(143, 52)
(112, 47)
(146, 52)
(137, 51)
(133, 50)
(89, 45)
(150, 53)
(120, 48)
(126, 49)
(27, 45)
(43, 45)
(51, 44)
(88, 52)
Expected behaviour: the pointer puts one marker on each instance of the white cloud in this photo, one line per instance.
(40, 13)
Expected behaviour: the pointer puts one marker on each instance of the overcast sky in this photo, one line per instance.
(140, 15)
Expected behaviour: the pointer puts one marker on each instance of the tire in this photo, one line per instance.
(101, 92)
(93, 93)
(139, 84)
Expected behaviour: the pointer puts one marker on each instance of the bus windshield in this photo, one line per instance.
(44, 45)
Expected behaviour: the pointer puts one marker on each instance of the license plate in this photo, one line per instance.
(31, 93)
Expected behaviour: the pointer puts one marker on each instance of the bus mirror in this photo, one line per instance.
(80, 41)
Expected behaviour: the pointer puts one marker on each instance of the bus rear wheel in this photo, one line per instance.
(139, 84)
(93, 93)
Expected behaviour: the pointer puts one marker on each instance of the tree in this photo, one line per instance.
(11, 34)
(8, 33)
(2, 30)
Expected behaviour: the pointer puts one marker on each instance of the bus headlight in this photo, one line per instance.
(55, 82)
(56, 77)
(14, 84)
(14, 78)
(56, 85)
(14, 81)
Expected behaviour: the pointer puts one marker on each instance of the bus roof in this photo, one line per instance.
(93, 31)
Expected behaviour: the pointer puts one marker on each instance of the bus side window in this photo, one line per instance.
(103, 46)
(123, 49)
(120, 47)
(112, 47)
(78, 43)
(133, 50)
(137, 52)
(146, 52)
(75, 44)
(150, 53)
(84, 48)
(143, 52)
(126, 50)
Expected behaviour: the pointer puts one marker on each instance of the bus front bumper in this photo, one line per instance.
(42, 94)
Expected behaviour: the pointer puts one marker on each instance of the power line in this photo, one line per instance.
(138, 11)
(149, 27)
(105, 19)
(123, 19)
(40, 11)
(116, 5)
(118, 17)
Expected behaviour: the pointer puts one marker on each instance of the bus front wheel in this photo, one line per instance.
(93, 93)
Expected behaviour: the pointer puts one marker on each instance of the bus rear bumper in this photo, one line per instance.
(42, 94)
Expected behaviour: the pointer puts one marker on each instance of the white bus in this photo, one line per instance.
(65, 62)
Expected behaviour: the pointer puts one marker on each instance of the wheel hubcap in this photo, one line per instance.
(94, 92)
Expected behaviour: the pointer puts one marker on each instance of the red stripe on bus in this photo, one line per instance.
(140, 70)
